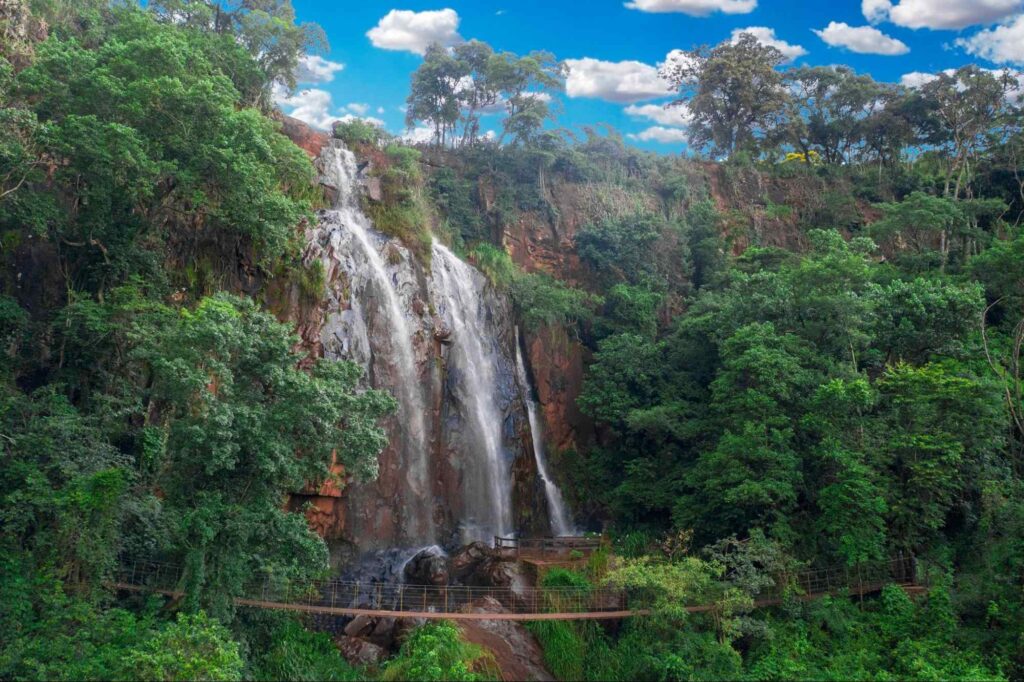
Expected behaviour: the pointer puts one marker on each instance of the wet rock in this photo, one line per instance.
(358, 651)
(377, 631)
(465, 562)
(429, 567)
(493, 572)
(515, 649)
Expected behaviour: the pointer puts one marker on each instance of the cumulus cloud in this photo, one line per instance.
(419, 134)
(366, 119)
(623, 82)
(410, 31)
(1003, 44)
(861, 39)
(674, 116)
(359, 108)
(940, 14)
(695, 8)
(916, 79)
(660, 134)
(315, 107)
(315, 69)
(312, 106)
(766, 36)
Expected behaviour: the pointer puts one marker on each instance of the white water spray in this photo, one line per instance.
(559, 516)
(487, 487)
(350, 224)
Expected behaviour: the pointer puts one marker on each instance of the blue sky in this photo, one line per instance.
(614, 48)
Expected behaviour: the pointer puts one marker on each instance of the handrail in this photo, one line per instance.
(459, 601)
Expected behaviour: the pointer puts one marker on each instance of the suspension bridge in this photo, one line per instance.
(464, 602)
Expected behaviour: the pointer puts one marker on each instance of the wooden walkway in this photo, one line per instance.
(458, 602)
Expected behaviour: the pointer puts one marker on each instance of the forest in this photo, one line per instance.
(799, 346)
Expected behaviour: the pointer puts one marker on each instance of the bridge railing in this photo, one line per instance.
(554, 546)
(327, 595)
(392, 597)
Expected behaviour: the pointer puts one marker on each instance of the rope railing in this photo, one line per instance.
(351, 598)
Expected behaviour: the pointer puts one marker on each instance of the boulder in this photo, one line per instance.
(466, 561)
(377, 631)
(428, 567)
(358, 651)
(515, 649)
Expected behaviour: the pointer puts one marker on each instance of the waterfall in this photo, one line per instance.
(487, 483)
(373, 289)
(557, 512)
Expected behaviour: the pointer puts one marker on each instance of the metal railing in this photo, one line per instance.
(341, 595)
(351, 598)
(557, 546)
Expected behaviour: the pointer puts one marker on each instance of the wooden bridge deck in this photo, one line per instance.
(459, 602)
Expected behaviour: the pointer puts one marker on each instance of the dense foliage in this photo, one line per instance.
(808, 355)
(145, 411)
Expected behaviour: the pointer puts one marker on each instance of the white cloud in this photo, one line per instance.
(627, 81)
(695, 8)
(660, 134)
(940, 14)
(766, 36)
(311, 106)
(380, 110)
(410, 31)
(1003, 44)
(677, 116)
(916, 79)
(314, 106)
(315, 69)
(367, 119)
(861, 39)
(875, 11)
(419, 134)
(357, 107)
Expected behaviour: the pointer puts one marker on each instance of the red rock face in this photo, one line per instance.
(303, 135)
(557, 363)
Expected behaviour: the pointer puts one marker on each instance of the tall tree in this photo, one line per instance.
(733, 91)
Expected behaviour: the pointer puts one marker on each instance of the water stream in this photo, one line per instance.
(375, 290)
(487, 481)
(561, 523)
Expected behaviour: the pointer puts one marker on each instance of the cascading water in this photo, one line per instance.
(353, 239)
(487, 482)
(557, 512)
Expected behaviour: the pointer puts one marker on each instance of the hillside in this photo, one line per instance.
(270, 358)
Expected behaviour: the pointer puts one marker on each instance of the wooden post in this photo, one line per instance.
(446, 599)
(401, 597)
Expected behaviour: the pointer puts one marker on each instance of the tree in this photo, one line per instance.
(939, 431)
(194, 647)
(235, 427)
(265, 28)
(734, 94)
(828, 111)
(436, 652)
(750, 477)
(964, 106)
(153, 147)
(847, 491)
(456, 87)
(918, 220)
